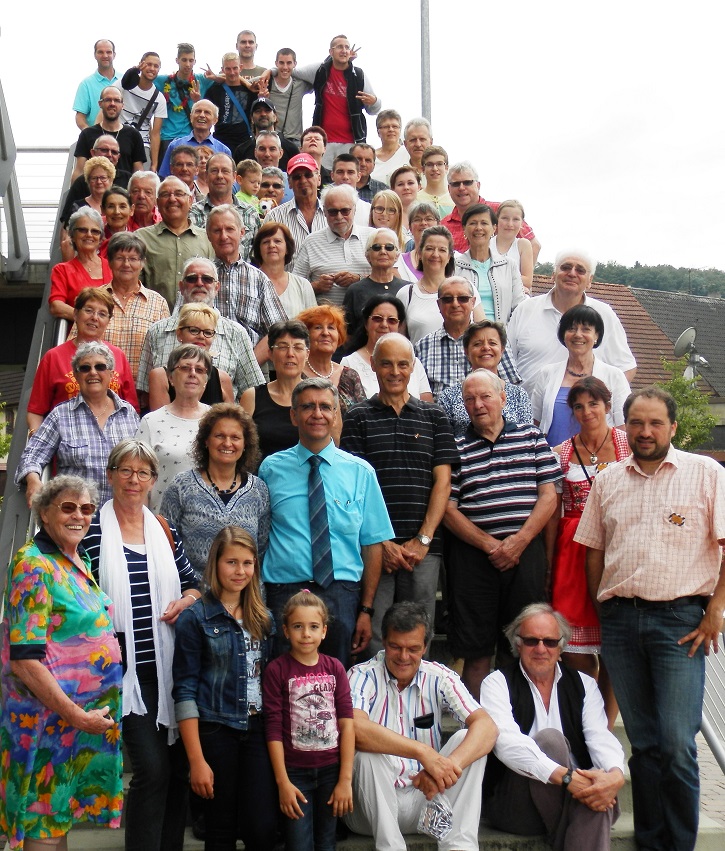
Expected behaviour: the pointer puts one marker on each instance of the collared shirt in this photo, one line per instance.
(166, 253)
(231, 351)
(89, 93)
(454, 224)
(371, 189)
(520, 752)
(533, 344)
(355, 508)
(289, 214)
(71, 433)
(496, 487)
(444, 360)
(248, 296)
(190, 139)
(250, 219)
(659, 532)
(403, 448)
(517, 408)
(325, 253)
(434, 688)
(132, 319)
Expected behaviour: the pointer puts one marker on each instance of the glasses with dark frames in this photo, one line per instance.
(87, 367)
(530, 641)
(449, 299)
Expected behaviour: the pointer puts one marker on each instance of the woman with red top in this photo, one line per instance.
(582, 457)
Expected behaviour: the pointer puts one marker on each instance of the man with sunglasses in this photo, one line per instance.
(532, 329)
(501, 498)
(556, 768)
(272, 186)
(441, 352)
(232, 351)
(464, 188)
(398, 701)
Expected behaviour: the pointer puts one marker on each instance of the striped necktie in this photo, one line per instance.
(319, 529)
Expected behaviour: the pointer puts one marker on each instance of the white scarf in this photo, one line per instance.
(164, 585)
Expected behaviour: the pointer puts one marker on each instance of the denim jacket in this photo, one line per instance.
(210, 665)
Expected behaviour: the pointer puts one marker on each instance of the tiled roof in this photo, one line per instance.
(646, 339)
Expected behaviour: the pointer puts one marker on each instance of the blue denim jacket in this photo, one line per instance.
(210, 665)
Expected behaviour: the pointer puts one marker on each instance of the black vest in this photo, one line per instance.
(570, 691)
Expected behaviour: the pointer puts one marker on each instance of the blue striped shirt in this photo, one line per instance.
(434, 688)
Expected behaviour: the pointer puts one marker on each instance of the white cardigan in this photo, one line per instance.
(548, 383)
(504, 278)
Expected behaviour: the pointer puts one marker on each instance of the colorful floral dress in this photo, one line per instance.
(51, 774)
(569, 592)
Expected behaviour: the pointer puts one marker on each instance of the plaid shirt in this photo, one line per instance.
(443, 359)
(71, 433)
(249, 297)
(288, 214)
(250, 220)
(231, 352)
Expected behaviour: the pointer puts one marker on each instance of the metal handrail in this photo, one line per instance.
(16, 263)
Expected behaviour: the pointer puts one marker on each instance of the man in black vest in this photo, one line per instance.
(556, 768)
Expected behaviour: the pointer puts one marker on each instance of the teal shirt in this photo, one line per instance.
(176, 122)
(89, 93)
(484, 286)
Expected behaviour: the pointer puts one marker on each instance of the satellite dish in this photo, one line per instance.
(685, 342)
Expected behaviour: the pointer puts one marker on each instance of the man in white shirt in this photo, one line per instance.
(556, 768)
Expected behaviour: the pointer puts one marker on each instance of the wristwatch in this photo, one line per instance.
(425, 540)
(566, 779)
(365, 610)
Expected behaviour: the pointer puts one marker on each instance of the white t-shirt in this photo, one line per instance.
(134, 103)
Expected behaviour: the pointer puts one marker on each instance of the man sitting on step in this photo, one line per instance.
(556, 767)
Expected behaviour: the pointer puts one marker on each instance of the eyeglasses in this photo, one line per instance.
(297, 348)
(87, 509)
(449, 299)
(380, 210)
(388, 246)
(86, 231)
(127, 472)
(189, 369)
(205, 279)
(111, 100)
(109, 152)
(456, 184)
(265, 185)
(389, 320)
(342, 211)
(95, 314)
(87, 367)
(198, 332)
(427, 221)
(578, 268)
(177, 193)
(310, 407)
(98, 178)
(530, 641)
(441, 164)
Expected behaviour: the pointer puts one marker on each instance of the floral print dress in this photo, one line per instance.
(51, 774)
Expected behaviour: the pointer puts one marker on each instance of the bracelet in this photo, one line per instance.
(190, 594)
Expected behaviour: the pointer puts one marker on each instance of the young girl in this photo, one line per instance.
(222, 646)
(310, 734)
(510, 218)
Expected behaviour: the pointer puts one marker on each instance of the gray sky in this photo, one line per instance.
(606, 120)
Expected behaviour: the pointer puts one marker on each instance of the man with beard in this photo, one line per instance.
(264, 119)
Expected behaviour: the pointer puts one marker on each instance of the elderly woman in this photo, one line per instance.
(382, 251)
(196, 326)
(326, 326)
(581, 330)
(60, 745)
(392, 153)
(485, 344)
(221, 489)
(496, 278)
(139, 561)
(269, 405)
(80, 433)
(435, 260)
(405, 182)
(171, 429)
(135, 307)
(54, 382)
(272, 249)
(86, 269)
(422, 215)
(381, 315)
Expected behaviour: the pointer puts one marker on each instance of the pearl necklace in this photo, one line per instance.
(319, 374)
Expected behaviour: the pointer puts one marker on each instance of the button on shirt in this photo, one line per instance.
(248, 296)
(325, 253)
(434, 688)
(443, 359)
(659, 532)
(290, 215)
(356, 513)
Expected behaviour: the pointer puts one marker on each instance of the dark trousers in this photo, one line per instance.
(315, 831)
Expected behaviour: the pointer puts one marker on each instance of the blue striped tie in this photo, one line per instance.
(319, 528)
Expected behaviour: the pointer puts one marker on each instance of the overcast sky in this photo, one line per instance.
(606, 120)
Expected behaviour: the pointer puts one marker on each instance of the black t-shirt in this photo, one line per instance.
(245, 151)
(79, 189)
(129, 141)
(231, 128)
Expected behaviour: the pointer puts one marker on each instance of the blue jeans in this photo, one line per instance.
(342, 598)
(159, 789)
(660, 693)
(315, 831)
(245, 801)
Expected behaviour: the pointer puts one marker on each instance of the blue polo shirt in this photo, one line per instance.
(355, 509)
(89, 93)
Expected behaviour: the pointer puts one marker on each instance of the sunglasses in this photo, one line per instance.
(342, 211)
(86, 231)
(567, 267)
(205, 279)
(88, 509)
(424, 722)
(388, 246)
(87, 367)
(530, 641)
(378, 319)
(265, 185)
(456, 184)
(198, 332)
(449, 299)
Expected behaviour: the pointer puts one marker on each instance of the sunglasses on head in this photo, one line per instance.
(87, 367)
(87, 509)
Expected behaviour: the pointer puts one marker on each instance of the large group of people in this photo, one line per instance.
(306, 386)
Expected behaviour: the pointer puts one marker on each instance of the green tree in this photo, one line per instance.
(694, 420)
